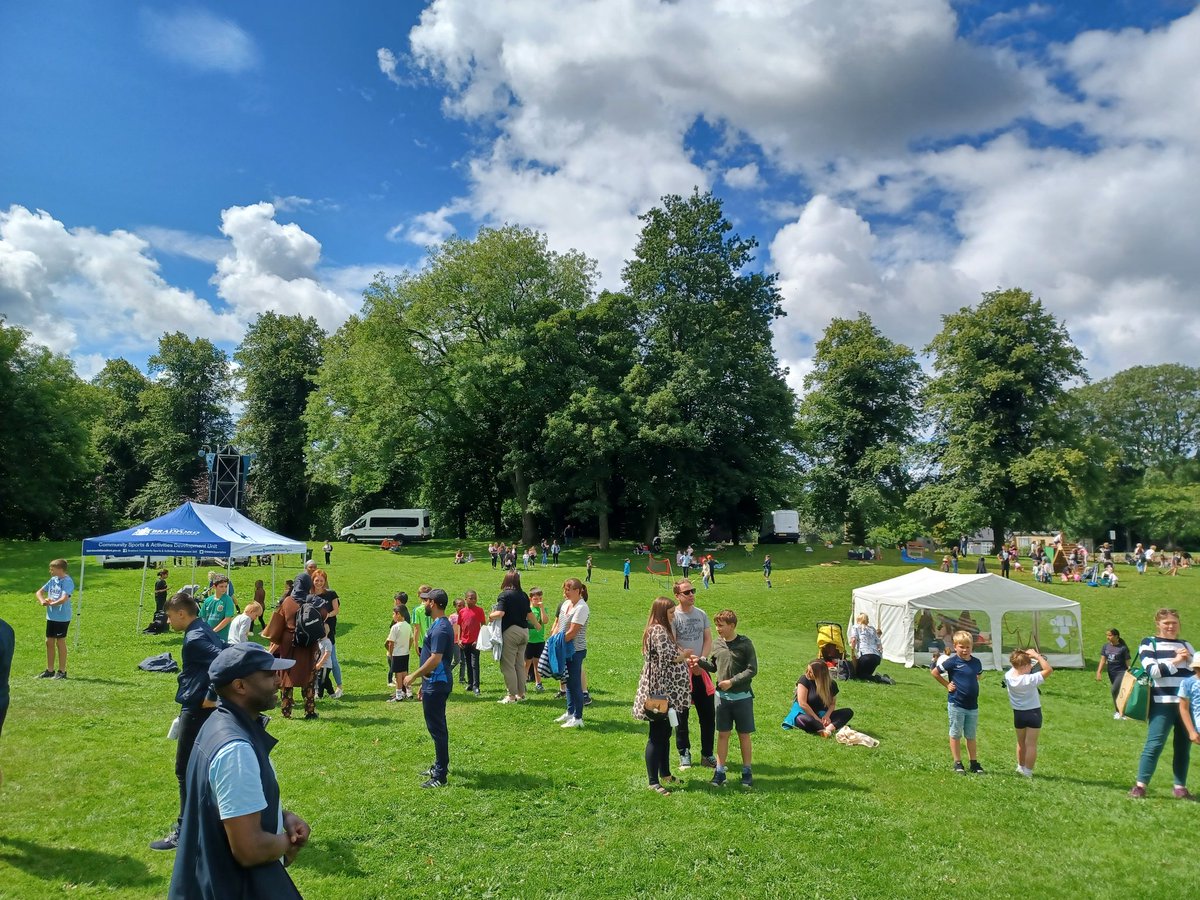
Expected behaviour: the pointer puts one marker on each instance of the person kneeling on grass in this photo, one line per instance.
(735, 664)
(816, 695)
(1022, 683)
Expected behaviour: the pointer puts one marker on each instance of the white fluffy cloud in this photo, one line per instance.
(272, 266)
(917, 159)
(199, 40)
(70, 286)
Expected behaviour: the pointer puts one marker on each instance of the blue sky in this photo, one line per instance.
(169, 167)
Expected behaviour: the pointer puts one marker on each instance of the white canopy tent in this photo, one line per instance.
(195, 530)
(1009, 615)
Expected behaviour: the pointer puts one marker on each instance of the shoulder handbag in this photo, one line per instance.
(1133, 697)
(655, 707)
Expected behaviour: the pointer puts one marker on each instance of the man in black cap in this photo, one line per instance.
(237, 838)
(436, 653)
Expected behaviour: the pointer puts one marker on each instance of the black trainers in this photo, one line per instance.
(747, 778)
(49, 673)
(718, 779)
(587, 699)
(976, 768)
(170, 842)
(433, 783)
(959, 769)
(60, 676)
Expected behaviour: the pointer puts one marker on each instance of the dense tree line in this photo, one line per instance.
(496, 387)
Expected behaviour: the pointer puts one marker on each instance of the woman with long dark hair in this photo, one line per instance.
(816, 693)
(513, 610)
(1115, 656)
(664, 676)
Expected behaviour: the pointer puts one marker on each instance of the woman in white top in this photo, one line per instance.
(572, 622)
(868, 650)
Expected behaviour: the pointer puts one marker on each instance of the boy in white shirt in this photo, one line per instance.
(399, 645)
(324, 665)
(239, 628)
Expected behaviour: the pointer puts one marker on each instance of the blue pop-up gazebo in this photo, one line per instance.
(194, 529)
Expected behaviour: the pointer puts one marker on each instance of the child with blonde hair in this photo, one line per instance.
(959, 674)
(1022, 683)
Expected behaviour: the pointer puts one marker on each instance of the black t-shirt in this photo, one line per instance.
(814, 697)
(516, 609)
(326, 604)
(160, 590)
(1116, 658)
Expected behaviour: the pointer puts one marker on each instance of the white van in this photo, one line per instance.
(398, 524)
(780, 526)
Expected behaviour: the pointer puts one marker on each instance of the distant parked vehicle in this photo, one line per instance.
(780, 526)
(401, 525)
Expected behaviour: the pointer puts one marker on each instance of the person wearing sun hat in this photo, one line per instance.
(237, 839)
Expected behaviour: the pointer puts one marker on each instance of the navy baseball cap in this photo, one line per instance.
(240, 660)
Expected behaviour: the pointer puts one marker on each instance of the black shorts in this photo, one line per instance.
(534, 651)
(1027, 718)
(57, 629)
(399, 665)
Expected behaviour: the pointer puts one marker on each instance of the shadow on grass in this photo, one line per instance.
(499, 781)
(330, 858)
(74, 865)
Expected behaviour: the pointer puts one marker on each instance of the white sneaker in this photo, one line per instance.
(507, 700)
(564, 717)
(1021, 770)
(572, 723)
(337, 694)
(1117, 715)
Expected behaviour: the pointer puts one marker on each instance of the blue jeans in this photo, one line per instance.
(575, 684)
(1164, 717)
(337, 670)
(433, 704)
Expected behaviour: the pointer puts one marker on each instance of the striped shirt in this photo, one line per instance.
(1157, 655)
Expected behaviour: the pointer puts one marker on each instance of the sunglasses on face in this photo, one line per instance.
(688, 591)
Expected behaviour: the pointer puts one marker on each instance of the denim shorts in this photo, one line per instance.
(962, 721)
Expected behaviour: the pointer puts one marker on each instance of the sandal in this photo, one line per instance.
(670, 779)
(659, 789)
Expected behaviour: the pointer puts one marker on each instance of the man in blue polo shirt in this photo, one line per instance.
(436, 653)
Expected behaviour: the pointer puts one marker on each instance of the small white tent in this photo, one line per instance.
(1009, 615)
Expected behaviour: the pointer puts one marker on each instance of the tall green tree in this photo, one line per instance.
(1005, 452)
(47, 466)
(714, 414)
(858, 423)
(119, 436)
(278, 358)
(187, 408)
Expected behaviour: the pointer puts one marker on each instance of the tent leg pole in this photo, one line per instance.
(142, 593)
(79, 605)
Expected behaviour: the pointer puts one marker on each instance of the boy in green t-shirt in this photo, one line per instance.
(537, 639)
(735, 664)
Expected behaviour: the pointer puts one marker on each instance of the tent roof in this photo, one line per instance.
(194, 529)
(931, 589)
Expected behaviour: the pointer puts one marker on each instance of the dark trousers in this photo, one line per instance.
(1115, 679)
(626, 582)
(838, 718)
(705, 706)
(433, 704)
(865, 666)
(326, 559)
(470, 654)
(658, 751)
(190, 721)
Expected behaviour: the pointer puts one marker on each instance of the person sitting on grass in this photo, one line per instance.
(816, 695)
(1109, 577)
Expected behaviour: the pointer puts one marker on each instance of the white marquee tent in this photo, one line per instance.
(1009, 615)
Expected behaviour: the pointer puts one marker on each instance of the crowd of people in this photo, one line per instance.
(226, 682)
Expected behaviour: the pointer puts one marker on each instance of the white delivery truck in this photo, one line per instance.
(402, 525)
(780, 526)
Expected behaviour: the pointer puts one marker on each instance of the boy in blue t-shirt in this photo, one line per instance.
(1189, 701)
(960, 674)
(55, 595)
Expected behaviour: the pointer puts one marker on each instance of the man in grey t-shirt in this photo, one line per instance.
(693, 631)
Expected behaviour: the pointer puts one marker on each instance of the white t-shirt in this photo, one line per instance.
(325, 645)
(578, 615)
(239, 628)
(401, 638)
(1023, 689)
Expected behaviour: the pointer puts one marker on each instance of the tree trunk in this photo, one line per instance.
(521, 490)
(650, 522)
(462, 524)
(997, 535)
(602, 513)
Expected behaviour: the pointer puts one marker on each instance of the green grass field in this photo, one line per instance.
(535, 811)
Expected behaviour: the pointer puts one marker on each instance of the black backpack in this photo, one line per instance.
(310, 626)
